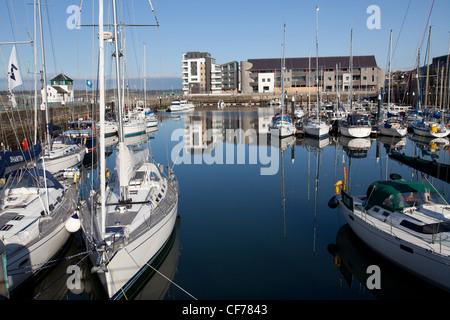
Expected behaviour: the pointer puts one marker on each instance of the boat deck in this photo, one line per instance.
(117, 226)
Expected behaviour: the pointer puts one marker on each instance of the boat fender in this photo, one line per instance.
(333, 202)
(339, 185)
(75, 176)
(395, 176)
(73, 223)
(107, 173)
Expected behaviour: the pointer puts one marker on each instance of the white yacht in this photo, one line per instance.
(407, 222)
(356, 126)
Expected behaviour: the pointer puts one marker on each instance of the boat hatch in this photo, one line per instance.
(431, 228)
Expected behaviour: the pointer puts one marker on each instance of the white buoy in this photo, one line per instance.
(73, 224)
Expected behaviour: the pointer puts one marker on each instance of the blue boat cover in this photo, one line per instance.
(10, 158)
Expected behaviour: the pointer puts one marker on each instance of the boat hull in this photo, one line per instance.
(393, 132)
(283, 131)
(355, 132)
(424, 130)
(320, 132)
(134, 129)
(57, 165)
(37, 255)
(125, 267)
(426, 264)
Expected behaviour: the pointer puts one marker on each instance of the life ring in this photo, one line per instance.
(338, 186)
(448, 125)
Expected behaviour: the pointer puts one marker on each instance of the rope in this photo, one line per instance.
(52, 283)
(172, 282)
(109, 262)
(47, 264)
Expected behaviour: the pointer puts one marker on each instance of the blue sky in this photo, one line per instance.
(230, 30)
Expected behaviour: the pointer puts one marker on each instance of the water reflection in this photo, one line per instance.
(247, 235)
(71, 279)
(352, 258)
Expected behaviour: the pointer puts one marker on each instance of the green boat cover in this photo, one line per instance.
(399, 194)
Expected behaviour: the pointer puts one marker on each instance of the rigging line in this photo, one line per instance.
(57, 279)
(51, 37)
(171, 281)
(401, 28)
(110, 265)
(49, 263)
(133, 40)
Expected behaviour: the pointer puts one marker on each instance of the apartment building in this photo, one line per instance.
(196, 72)
(201, 74)
(264, 75)
(230, 77)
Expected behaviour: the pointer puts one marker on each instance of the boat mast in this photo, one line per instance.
(419, 91)
(351, 71)
(44, 78)
(35, 73)
(317, 61)
(428, 67)
(282, 71)
(46, 107)
(389, 72)
(309, 81)
(101, 75)
(119, 98)
(145, 82)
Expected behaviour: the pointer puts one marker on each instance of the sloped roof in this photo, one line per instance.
(303, 63)
(61, 76)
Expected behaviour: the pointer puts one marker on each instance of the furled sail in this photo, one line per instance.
(127, 163)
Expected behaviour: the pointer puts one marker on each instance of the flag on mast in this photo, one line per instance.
(14, 75)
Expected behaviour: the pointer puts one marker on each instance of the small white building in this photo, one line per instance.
(60, 89)
(266, 82)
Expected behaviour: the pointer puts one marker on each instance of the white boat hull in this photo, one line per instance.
(58, 164)
(283, 131)
(392, 132)
(317, 131)
(426, 263)
(355, 132)
(426, 132)
(34, 256)
(134, 129)
(131, 261)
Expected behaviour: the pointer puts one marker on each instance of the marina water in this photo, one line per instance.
(242, 234)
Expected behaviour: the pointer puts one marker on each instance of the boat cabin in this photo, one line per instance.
(399, 194)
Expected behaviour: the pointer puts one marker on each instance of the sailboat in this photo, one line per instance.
(405, 221)
(391, 126)
(357, 124)
(63, 154)
(129, 221)
(11, 160)
(315, 126)
(36, 219)
(429, 128)
(282, 125)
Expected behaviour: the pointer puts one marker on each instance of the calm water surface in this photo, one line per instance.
(245, 235)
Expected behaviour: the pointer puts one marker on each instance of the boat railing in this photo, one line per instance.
(428, 245)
